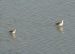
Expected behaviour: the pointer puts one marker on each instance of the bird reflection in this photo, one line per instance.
(60, 29)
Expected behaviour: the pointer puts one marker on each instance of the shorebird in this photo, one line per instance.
(60, 23)
(13, 31)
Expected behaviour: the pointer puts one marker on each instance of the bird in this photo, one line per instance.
(60, 23)
(13, 31)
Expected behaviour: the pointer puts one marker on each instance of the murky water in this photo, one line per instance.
(34, 21)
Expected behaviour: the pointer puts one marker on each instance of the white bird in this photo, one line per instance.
(13, 31)
(60, 23)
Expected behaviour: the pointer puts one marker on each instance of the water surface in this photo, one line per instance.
(34, 21)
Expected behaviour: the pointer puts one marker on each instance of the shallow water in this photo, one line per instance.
(34, 21)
